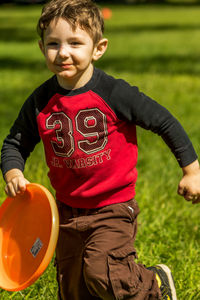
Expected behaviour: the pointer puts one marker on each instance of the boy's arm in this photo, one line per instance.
(129, 103)
(15, 182)
(189, 186)
(17, 147)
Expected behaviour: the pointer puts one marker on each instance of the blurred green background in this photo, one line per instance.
(157, 48)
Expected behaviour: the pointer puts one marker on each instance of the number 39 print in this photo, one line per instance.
(90, 123)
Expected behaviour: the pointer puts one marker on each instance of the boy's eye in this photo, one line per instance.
(52, 44)
(75, 43)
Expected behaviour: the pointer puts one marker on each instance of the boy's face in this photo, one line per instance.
(69, 54)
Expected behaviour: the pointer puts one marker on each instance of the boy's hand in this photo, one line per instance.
(15, 182)
(189, 186)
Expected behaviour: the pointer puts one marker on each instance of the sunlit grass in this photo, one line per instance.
(158, 49)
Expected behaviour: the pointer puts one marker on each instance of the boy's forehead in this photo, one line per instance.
(61, 25)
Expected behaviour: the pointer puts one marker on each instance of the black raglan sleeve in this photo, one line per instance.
(130, 104)
(22, 138)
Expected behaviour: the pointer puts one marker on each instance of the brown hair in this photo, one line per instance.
(83, 13)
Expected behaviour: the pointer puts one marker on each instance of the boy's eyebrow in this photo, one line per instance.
(50, 38)
(73, 37)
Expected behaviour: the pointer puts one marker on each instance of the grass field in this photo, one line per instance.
(158, 49)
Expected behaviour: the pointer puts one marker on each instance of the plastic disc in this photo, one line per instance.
(29, 226)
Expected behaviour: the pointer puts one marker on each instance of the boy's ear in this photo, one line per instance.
(41, 45)
(100, 49)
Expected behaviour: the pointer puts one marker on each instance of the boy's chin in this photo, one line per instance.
(66, 81)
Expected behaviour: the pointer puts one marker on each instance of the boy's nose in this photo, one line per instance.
(63, 51)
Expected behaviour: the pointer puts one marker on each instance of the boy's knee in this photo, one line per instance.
(96, 278)
(115, 275)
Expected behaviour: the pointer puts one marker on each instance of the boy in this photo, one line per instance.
(86, 120)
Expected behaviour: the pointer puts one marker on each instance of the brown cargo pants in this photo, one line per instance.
(95, 255)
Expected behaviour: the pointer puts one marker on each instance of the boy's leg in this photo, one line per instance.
(109, 268)
(95, 255)
(69, 258)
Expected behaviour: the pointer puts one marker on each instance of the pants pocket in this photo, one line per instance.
(123, 273)
(130, 209)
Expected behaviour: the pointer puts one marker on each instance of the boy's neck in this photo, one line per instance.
(77, 82)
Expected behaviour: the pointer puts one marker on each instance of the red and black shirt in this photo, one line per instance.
(89, 137)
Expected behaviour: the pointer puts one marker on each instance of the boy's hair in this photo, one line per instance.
(83, 13)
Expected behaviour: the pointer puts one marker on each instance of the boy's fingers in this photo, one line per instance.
(189, 195)
(10, 191)
(182, 190)
(21, 186)
(196, 201)
(16, 186)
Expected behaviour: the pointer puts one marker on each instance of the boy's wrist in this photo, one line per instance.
(191, 168)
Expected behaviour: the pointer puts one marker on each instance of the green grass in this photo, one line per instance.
(158, 49)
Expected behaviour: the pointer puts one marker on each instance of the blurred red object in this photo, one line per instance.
(107, 13)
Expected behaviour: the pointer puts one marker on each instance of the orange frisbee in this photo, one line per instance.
(29, 226)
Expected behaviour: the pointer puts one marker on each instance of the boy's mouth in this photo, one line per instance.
(65, 66)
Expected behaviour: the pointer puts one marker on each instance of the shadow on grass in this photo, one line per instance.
(170, 64)
(10, 63)
(13, 34)
(151, 27)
